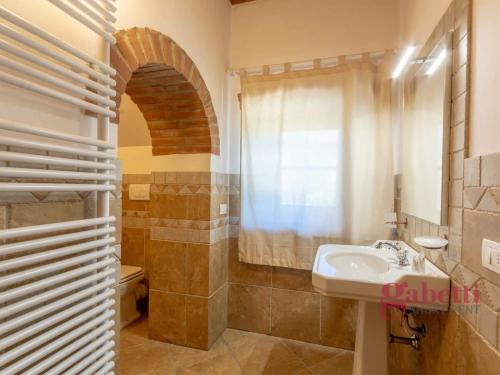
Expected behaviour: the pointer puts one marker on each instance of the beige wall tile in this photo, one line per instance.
(490, 294)
(218, 265)
(472, 196)
(246, 273)
(456, 193)
(458, 137)
(198, 207)
(295, 315)
(472, 172)
(133, 252)
(338, 322)
(293, 279)
(490, 201)
(490, 170)
(455, 220)
(487, 324)
(479, 225)
(249, 308)
(167, 266)
(217, 314)
(472, 354)
(167, 317)
(3, 217)
(198, 268)
(197, 322)
(169, 206)
(459, 84)
(457, 165)
(459, 109)
(45, 213)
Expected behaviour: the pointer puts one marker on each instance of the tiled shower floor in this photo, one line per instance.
(235, 353)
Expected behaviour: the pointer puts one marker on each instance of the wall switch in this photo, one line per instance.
(223, 209)
(138, 192)
(490, 255)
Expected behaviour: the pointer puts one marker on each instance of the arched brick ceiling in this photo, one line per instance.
(167, 87)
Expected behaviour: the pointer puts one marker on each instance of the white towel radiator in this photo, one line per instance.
(57, 280)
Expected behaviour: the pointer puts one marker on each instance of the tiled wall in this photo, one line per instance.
(466, 339)
(180, 238)
(281, 301)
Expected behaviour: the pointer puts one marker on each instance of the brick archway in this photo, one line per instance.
(167, 87)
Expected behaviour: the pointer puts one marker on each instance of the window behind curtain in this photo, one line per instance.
(299, 136)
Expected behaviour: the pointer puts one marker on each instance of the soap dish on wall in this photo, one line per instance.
(431, 242)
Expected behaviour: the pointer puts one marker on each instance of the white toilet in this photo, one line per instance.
(131, 290)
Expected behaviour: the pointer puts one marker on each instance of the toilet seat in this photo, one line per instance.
(128, 273)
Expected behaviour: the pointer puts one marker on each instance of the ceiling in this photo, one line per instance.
(234, 2)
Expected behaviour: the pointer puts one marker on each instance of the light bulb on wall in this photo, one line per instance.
(403, 61)
(435, 64)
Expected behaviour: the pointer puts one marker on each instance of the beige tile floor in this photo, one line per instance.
(236, 352)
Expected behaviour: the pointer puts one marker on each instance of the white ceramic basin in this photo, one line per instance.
(356, 264)
(374, 277)
(370, 274)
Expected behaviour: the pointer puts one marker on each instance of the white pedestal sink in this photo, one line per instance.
(374, 277)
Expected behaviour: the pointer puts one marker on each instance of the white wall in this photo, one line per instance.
(278, 31)
(202, 29)
(22, 105)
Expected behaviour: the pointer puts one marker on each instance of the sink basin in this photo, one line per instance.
(374, 277)
(356, 264)
(370, 274)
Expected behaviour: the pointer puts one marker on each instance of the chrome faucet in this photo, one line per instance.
(401, 254)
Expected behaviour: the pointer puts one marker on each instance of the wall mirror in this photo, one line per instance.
(425, 134)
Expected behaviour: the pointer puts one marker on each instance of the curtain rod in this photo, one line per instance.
(325, 62)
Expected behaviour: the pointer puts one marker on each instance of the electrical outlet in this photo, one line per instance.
(223, 209)
(490, 255)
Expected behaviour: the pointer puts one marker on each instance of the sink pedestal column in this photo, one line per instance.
(370, 355)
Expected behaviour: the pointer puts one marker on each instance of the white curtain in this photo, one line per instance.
(316, 162)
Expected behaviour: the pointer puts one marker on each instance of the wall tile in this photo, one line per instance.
(487, 324)
(197, 322)
(459, 109)
(246, 273)
(217, 314)
(490, 201)
(218, 267)
(293, 279)
(459, 84)
(3, 217)
(458, 137)
(472, 196)
(167, 317)
(457, 165)
(456, 193)
(490, 294)
(133, 247)
(198, 268)
(455, 220)
(472, 171)
(45, 213)
(295, 315)
(490, 170)
(249, 308)
(167, 266)
(338, 322)
(479, 225)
